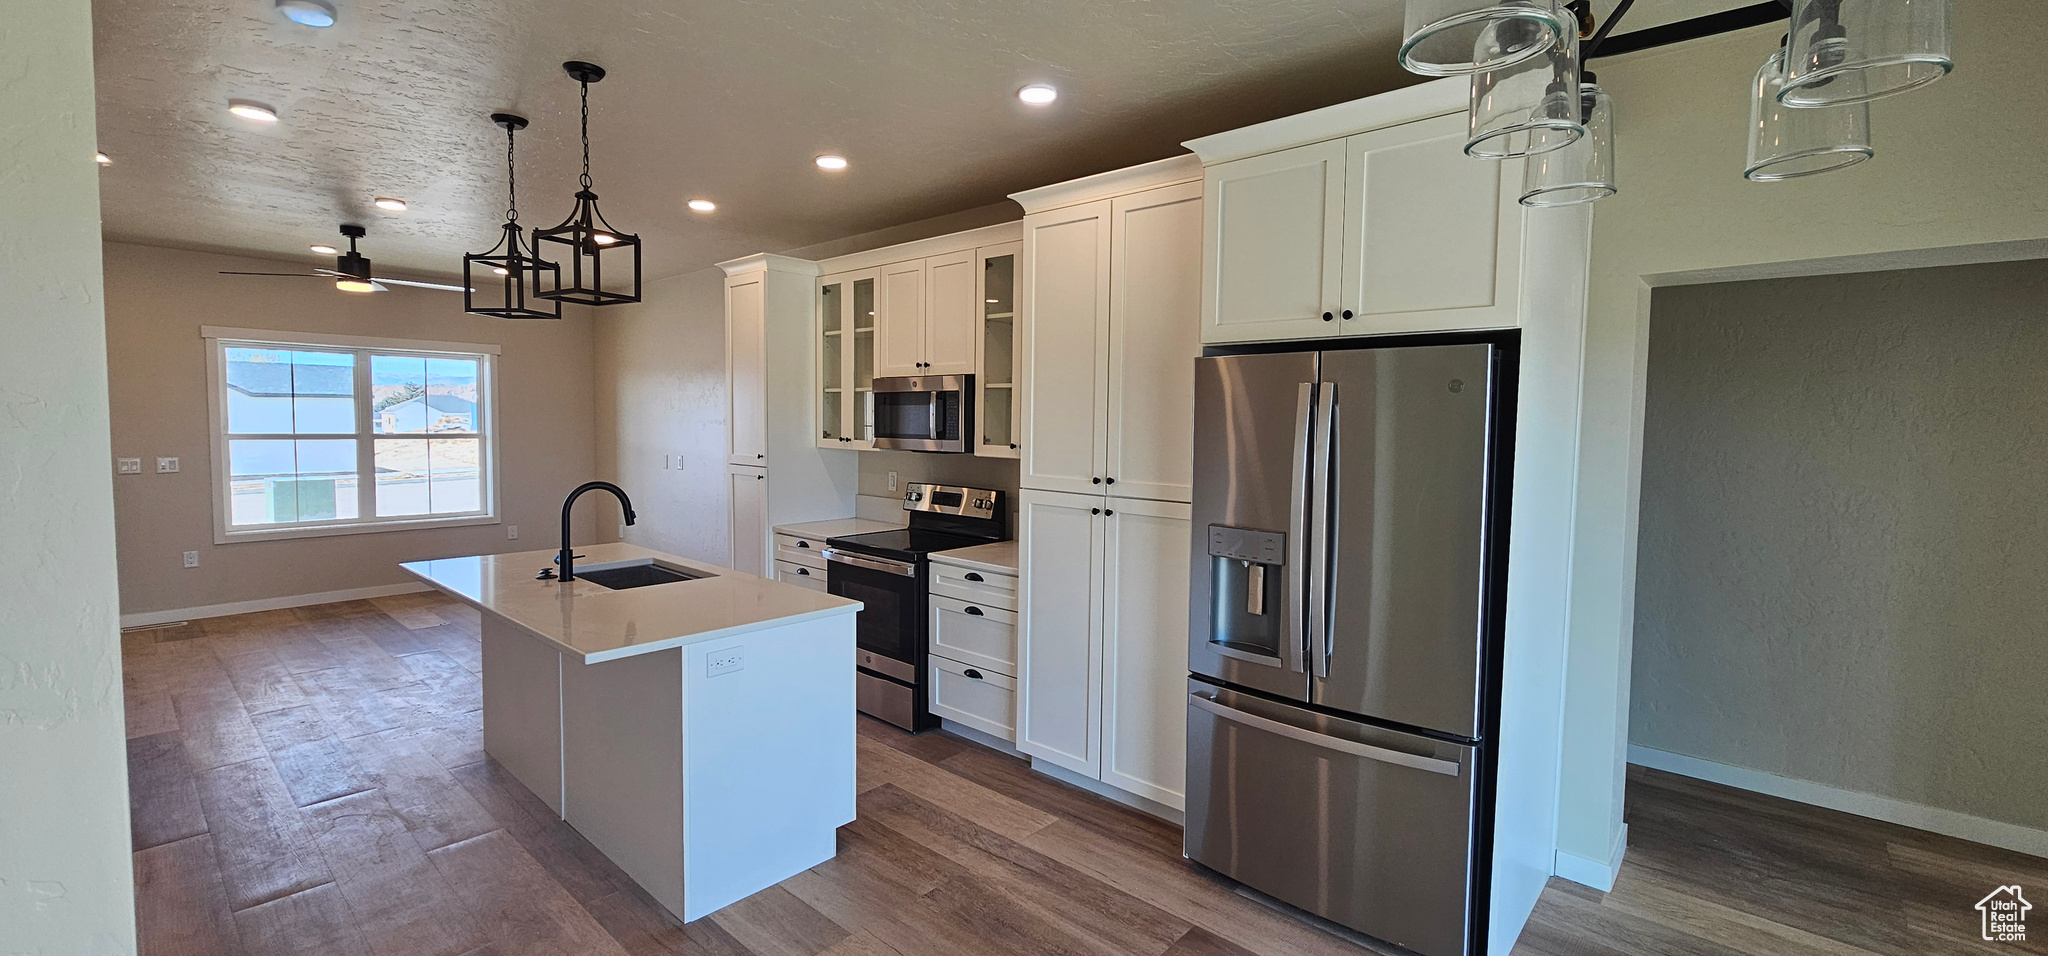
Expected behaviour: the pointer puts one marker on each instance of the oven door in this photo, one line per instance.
(924, 413)
(890, 626)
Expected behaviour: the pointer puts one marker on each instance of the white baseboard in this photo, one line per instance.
(151, 618)
(1598, 874)
(2010, 836)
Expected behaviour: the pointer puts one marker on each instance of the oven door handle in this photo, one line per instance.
(837, 556)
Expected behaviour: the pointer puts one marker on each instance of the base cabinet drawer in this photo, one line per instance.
(974, 634)
(799, 575)
(975, 587)
(799, 550)
(977, 698)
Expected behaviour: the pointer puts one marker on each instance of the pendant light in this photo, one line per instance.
(1457, 37)
(1582, 171)
(590, 243)
(1787, 142)
(503, 281)
(1854, 51)
(1511, 105)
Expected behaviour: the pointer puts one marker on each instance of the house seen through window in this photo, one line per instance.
(350, 438)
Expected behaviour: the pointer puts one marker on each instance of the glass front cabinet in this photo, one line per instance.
(846, 360)
(997, 358)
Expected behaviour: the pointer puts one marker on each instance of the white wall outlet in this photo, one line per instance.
(679, 463)
(892, 481)
(724, 661)
(127, 466)
(511, 532)
(167, 466)
(191, 559)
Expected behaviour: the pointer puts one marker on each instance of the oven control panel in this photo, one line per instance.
(949, 499)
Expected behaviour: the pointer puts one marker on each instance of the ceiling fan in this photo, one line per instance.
(351, 272)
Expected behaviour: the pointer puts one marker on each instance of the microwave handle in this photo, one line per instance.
(932, 415)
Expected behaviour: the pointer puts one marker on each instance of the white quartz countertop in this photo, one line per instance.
(1000, 557)
(835, 527)
(596, 623)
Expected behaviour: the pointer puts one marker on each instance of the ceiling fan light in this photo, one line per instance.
(103, 159)
(1855, 51)
(325, 250)
(1527, 107)
(1458, 37)
(1788, 143)
(355, 285)
(1582, 171)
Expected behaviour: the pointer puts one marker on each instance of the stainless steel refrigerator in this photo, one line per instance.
(1343, 623)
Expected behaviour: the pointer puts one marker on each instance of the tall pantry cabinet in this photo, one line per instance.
(776, 473)
(1109, 296)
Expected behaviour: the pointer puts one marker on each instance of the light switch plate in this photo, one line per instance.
(892, 481)
(127, 466)
(167, 466)
(511, 532)
(725, 660)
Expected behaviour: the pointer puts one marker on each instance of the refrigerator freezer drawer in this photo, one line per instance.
(1364, 826)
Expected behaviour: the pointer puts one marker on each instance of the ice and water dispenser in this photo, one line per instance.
(1247, 581)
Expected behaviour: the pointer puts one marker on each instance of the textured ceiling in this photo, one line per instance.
(721, 99)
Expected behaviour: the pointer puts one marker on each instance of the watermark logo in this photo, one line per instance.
(2005, 915)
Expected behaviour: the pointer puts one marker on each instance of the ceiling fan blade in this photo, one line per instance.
(281, 275)
(420, 285)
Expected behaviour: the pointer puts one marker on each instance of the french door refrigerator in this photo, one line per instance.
(1343, 624)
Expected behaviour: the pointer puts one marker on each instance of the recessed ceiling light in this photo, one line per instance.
(103, 159)
(252, 110)
(703, 205)
(326, 250)
(1038, 94)
(307, 13)
(829, 161)
(389, 204)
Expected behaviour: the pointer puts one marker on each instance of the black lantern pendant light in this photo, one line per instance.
(505, 282)
(592, 245)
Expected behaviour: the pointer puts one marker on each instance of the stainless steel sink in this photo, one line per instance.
(638, 574)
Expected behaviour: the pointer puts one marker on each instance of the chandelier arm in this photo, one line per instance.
(1600, 35)
(1697, 28)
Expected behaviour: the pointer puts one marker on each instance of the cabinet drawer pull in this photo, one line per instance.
(803, 544)
(971, 609)
(971, 672)
(806, 572)
(976, 578)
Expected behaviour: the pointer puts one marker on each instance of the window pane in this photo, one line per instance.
(259, 390)
(398, 390)
(323, 393)
(455, 480)
(325, 483)
(401, 476)
(451, 396)
(253, 468)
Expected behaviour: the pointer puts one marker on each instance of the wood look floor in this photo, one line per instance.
(313, 781)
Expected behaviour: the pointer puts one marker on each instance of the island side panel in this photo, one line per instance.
(622, 733)
(768, 758)
(523, 707)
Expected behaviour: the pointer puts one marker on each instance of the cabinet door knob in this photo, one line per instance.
(1095, 511)
(1108, 513)
(971, 672)
(971, 609)
(976, 578)
(1109, 481)
(1347, 313)
(1013, 444)
(760, 456)
(1327, 317)
(1095, 481)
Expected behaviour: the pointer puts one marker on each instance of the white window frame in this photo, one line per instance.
(219, 339)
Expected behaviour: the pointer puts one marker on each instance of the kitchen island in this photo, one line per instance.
(699, 732)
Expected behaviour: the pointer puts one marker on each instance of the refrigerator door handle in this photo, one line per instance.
(1282, 729)
(1294, 584)
(1323, 523)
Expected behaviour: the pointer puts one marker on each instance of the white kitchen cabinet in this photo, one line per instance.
(1064, 299)
(746, 369)
(1102, 639)
(845, 374)
(998, 361)
(900, 318)
(952, 313)
(1145, 648)
(1432, 238)
(747, 499)
(1059, 639)
(1273, 242)
(1155, 303)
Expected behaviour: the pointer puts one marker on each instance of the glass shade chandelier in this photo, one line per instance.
(1531, 99)
(504, 281)
(590, 246)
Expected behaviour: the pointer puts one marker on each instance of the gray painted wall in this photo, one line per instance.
(1843, 572)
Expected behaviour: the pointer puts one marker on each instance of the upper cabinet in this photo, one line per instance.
(997, 365)
(1392, 229)
(952, 313)
(846, 360)
(900, 321)
(746, 368)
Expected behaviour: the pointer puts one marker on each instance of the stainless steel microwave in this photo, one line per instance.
(924, 412)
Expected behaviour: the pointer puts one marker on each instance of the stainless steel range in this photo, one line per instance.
(888, 573)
